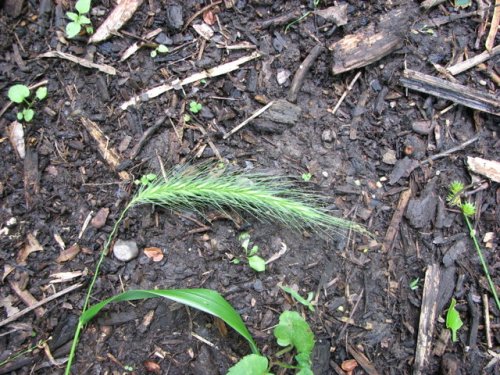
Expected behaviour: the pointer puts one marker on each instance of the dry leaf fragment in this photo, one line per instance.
(16, 137)
(154, 253)
(117, 18)
(68, 254)
(29, 247)
(152, 366)
(204, 30)
(8, 304)
(209, 17)
(99, 219)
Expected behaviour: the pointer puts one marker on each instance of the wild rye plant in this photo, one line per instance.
(271, 199)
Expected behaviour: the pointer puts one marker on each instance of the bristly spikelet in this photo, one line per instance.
(268, 198)
(455, 189)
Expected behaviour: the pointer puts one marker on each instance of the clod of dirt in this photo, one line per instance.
(454, 253)
(403, 168)
(174, 17)
(125, 250)
(421, 210)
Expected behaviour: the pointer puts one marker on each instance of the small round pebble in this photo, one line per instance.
(125, 250)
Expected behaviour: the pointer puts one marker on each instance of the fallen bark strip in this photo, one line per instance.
(242, 124)
(365, 46)
(427, 319)
(212, 72)
(457, 93)
(300, 74)
(362, 360)
(38, 304)
(390, 235)
(473, 61)
(83, 62)
(108, 153)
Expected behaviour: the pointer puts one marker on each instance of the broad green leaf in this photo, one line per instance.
(41, 93)
(84, 20)
(299, 298)
(20, 116)
(18, 93)
(453, 321)
(151, 176)
(89, 30)
(205, 300)
(253, 250)
(28, 114)
(251, 364)
(195, 107)
(306, 177)
(304, 360)
(72, 16)
(305, 371)
(73, 29)
(293, 330)
(244, 239)
(257, 263)
(153, 53)
(162, 48)
(82, 6)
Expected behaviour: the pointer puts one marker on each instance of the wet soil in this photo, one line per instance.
(364, 156)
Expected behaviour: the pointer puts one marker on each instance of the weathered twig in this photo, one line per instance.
(83, 62)
(390, 235)
(300, 74)
(254, 115)
(473, 61)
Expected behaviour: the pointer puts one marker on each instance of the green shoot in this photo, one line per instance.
(20, 94)
(186, 118)
(195, 107)
(468, 210)
(254, 261)
(146, 180)
(9, 359)
(294, 332)
(79, 19)
(414, 283)
(268, 198)
(160, 49)
(306, 177)
(306, 14)
(453, 321)
(252, 364)
(306, 302)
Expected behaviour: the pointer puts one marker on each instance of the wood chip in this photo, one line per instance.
(78, 60)
(154, 253)
(100, 218)
(68, 254)
(487, 168)
(27, 298)
(16, 138)
(31, 245)
(116, 19)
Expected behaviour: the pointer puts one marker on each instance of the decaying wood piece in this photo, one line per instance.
(108, 153)
(362, 360)
(473, 61)
(457, 93)
(116, 19)
(495, 20)
(487, 168)
(372, 43)
(427, 318)
(83, 62)
(393, 229)
(212, 72)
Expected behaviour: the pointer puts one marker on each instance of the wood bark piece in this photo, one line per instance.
(393, 229)
(301, 72)
(367, 46)
(487, 168)
(427, 319)
(108, 153)
(457, 93)
(116, 19)
(27, 298)
(473, 61)
(212, 72)
(495, 20)
(362, 360)
(83, 62)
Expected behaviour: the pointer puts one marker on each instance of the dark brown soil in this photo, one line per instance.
(355, 156)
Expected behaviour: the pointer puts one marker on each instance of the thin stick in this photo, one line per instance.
(254, 115)
(487, 326)
(38, 304)
(450, 151)
(301, 72)
(473, 61)
(201, 11)
(349, 88)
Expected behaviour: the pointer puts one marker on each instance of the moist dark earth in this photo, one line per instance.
(363, 137)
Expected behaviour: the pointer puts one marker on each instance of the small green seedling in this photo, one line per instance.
(453, 321)
(79, 20)
(306, 302)
(160, 49)
(468, 209)
(146, 180)
(186, 118)
(195, 107)
(414, 283)
(306, 177)
(254, 261)
(293, 333)
(20, 94)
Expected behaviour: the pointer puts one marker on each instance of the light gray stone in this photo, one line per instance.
(125, 250)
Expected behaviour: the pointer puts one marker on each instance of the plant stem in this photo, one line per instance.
(80, 324)
(483, 262)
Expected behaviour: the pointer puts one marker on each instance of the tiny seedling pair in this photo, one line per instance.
(255, 262)
(79, 20)
(20, 94)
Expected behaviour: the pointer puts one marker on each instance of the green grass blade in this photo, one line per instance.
(205, 300)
